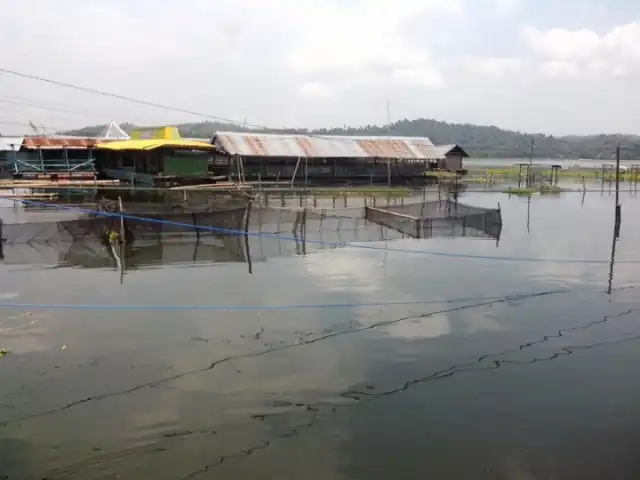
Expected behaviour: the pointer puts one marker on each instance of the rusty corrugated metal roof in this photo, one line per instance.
(60, 142)
(322, 146)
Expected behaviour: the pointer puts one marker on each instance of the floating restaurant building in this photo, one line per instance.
(156, 156)
(53, 156)
(319, 158)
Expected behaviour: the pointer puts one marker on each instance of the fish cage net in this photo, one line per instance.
(148, 221)
(441, 218)
(136, 226)
(283, 220)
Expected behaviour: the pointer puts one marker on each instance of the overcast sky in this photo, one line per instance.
(553, 66)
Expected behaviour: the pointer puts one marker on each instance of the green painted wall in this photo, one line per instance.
(185, 164)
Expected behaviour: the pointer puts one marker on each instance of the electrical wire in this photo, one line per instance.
(125, 98)
(25, 103)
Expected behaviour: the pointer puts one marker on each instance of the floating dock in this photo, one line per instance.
(29, 196)
(57, 183)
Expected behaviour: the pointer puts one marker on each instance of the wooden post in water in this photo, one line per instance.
(389, 172)
(195, 225)
(304, 231)
(2, 240)
(123, 241)
(296, 223)
(122, 231)
(618, 215)
(247, 250)
(530, 170)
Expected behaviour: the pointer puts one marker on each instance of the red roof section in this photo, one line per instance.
(60, 142)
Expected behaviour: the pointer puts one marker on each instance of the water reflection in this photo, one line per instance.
(274, 232)
(514, 385)
(614, 241)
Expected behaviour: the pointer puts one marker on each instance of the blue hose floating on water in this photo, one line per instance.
(300, 306)
(229, 308)
(229, 231)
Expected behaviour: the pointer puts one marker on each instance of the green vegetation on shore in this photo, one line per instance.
(479, 141)
(541, 189)
(572, 173)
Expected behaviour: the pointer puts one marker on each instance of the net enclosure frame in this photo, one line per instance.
(440, 218)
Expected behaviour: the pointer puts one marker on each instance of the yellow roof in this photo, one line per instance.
(157, 133)
(140, 145)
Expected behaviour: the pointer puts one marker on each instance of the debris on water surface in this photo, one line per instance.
(3, 352)
(64, 347)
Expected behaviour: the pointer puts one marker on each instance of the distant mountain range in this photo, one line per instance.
(479, 141)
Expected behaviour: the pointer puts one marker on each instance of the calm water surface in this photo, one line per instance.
(476, 384)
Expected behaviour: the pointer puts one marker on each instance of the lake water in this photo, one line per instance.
(479, 163)
(511, 368)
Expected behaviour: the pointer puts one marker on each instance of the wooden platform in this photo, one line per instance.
(56, 183)
(215, 186)
(30, 196)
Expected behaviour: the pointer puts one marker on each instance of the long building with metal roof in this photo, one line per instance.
(275, 156)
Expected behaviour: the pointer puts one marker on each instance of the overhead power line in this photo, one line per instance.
(19, 101)
(22, 124)
(125, 98)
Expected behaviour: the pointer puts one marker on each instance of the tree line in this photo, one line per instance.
(479, 141)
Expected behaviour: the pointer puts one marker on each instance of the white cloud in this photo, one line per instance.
(560, 69)
(419, 77)
(255, 60)
(367, 39)
(496, 67)
(314, 90)
(571, 52)
(505, 7)
(561, 44)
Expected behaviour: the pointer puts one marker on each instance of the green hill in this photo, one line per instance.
(479, 141)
